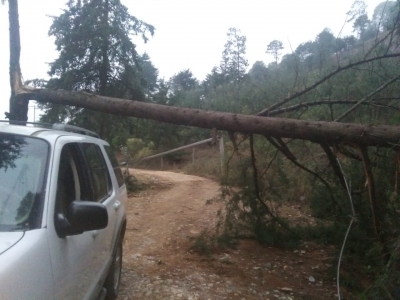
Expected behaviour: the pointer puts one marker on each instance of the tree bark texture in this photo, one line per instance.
(397, 175)
(18, 105)
(315, 131)
(371, 193)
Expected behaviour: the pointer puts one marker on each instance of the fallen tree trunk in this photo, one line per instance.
(315, 131)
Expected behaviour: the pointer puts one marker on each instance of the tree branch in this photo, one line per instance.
(257, 189)
(397, 176)
(389, 33)
(347, 152)
(284, 149)
(371, 192)
(387, 83)
(323, 102)
(266, 111)
(305, 169)
(335, 165)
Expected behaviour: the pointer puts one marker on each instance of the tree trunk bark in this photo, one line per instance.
(18, 105)
(371, 194)
(315, 131)
(104, 52)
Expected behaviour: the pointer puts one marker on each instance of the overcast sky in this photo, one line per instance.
(190, 34)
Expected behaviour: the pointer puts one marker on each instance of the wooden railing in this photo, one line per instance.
(193, 145)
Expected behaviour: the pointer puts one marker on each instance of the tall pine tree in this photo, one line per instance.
(97, 55)
(234, 64)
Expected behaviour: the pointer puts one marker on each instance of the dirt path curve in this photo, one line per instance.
(159, 265)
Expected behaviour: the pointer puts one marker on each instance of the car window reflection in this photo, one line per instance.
(23, 163)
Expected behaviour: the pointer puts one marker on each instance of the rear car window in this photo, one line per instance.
(115, 165)
(23, 164)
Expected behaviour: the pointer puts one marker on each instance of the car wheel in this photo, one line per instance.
(114, 275)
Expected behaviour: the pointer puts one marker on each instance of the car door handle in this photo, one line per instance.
(117, 205)
(95, 233)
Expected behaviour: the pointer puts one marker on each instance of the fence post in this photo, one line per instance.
(222, 152)
(125, 153)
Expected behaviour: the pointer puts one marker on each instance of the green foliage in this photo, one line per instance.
(387, 286)
(96, 55)
(183, 81)
(258, 72)
(204, 166)
(274, 48)
(138, 149)
(134, 185)
(203, 243)
(364, 254)
(385, 14)
(134, 146)
(175, 157)
(246, 217)
(234, 64)
(131, 184)
(360, 25)
(82, 34)
(208, 242)
(247, 212)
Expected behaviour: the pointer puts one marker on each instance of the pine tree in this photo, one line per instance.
(234, 64)
(275, 48)
(96, 55)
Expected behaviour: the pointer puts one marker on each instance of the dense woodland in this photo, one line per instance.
(350, 79)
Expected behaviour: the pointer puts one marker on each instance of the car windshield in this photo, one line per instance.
(23, 162)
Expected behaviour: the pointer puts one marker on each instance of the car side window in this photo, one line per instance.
(101, 180)
(70, 183)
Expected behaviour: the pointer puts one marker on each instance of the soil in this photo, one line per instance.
(165, 219)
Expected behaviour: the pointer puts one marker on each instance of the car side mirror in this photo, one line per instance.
(82, 216)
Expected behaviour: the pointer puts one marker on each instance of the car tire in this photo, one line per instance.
(114, 274)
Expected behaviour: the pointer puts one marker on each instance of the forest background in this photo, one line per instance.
(204, 32)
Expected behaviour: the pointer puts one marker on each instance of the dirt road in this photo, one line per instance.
(158, 263)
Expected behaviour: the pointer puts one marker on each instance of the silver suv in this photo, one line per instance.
(62, 214)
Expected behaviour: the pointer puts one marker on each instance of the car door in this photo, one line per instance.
(105, 192)
(78, 261)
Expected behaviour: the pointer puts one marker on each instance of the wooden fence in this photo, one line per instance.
(221, 151)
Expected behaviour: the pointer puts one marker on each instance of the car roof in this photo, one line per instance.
(40, 129)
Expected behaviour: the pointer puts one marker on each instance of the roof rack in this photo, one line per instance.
(75, 129)
(55, 126)
(23, 123)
